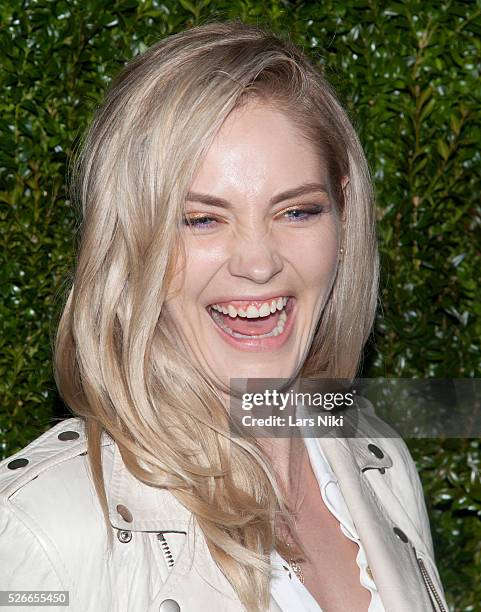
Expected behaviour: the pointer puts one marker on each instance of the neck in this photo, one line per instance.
(286, 456)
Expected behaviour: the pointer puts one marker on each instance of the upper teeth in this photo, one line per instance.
(252, 312)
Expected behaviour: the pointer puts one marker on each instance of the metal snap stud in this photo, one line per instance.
(68, 435)
(125, 513)
(376, 451)
(124, 536)
(169, 605)
(400, 534)
(17, 463)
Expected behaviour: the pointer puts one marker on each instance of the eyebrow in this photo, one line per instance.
(295, 192)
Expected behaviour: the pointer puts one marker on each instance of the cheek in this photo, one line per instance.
(314, 255)
(202, 260)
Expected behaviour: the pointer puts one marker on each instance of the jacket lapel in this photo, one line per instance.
(392, 561)
(195, 581)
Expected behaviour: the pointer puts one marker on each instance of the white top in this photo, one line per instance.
(286, 588)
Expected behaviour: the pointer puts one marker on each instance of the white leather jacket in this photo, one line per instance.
(52, 534)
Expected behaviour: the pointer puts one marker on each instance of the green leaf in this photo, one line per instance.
(443, 149)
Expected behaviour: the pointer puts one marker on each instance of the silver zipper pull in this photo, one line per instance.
(166, 550)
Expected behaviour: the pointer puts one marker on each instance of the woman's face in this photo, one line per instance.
(262, 249)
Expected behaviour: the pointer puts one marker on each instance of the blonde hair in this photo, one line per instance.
(117, 364)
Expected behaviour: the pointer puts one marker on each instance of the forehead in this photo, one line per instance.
(258, 149)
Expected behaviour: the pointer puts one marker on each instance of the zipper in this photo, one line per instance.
(169, 557)
(433, 594)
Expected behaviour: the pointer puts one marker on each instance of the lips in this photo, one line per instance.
(241, 323)
(251, 308)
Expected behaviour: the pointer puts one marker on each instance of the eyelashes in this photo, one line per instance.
(296, 214)
(198, 222)
(303, 213)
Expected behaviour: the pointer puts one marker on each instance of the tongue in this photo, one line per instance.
(252, 327)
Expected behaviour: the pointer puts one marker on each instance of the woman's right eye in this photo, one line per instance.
(200, 222)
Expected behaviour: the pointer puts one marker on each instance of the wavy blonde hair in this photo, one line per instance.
(117, 364)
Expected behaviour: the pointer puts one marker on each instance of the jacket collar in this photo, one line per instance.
(135, 506)
(362, 451)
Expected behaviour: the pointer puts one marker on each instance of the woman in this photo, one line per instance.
(228, 233)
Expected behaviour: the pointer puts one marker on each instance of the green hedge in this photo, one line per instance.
(408, 72)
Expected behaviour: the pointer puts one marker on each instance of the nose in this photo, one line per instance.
(255, 257)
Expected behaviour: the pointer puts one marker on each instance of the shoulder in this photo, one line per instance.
(42, 467)
(62, 442)
(48, 501)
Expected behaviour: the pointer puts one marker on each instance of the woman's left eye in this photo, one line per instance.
(302, 213)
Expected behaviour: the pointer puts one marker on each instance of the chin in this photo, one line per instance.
(256, 371)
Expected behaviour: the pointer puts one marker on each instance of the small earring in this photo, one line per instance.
(341, 251)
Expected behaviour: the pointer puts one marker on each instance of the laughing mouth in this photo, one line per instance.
(252, 319)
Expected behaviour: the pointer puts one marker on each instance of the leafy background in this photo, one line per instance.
(408, 73)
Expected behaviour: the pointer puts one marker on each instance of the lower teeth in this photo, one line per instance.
(278, 329)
